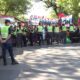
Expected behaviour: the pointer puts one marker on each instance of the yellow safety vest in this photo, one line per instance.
(5, 31)
(19, 30)
(50, 29)
(40, 28)
(64, 28)
(56, 29)
(15, 33)
(71, 28)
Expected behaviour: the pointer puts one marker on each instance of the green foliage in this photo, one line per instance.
(65, 6)
(14, 7)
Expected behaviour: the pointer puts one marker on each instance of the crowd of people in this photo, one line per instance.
(24, 35)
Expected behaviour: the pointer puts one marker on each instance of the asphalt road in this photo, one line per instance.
(43, 63)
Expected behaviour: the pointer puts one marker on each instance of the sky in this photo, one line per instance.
(38, 9)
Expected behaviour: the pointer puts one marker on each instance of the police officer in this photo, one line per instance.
(19, 36)
(31, 36)
(49, 34)
(64, 29)
(34, 34)
(78, 32)
(40, 36)
(72, 30)
(57, 33)
(24, 36)
(14, 35)
(5, 39)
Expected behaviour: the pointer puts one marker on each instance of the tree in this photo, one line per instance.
(51, 3)
(14, 7)
(65, 6)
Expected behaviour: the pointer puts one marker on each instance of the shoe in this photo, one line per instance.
(14, 63)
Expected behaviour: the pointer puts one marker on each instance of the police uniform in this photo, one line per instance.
(24, 31)
(56, 33)
(72, 30)
(19, 37)
(64, 29)
(5, 31)
(31, 37)
(49, 35)
(40, 36)
(14, 36)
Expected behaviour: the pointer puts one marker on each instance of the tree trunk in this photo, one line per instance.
(6, 11)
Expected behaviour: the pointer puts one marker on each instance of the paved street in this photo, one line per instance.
(43, 63)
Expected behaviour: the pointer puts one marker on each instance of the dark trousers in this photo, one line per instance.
(64, 37)
(31, 38)
(5, 47)
(71, 36)
(49, 38)
(40, 38)
(79, 36)
(60, 37)
(19, 40)
(57, 37)
(24, 40)
(14, 41)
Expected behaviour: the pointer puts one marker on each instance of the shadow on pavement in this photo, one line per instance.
(44, 63)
